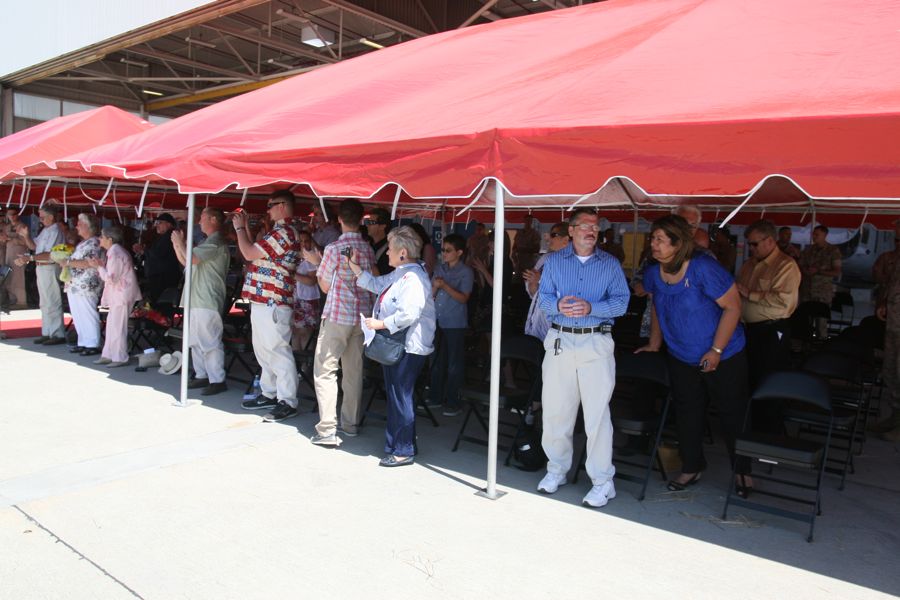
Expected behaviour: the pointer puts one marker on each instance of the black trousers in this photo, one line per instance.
(768, 350)
(692, 390)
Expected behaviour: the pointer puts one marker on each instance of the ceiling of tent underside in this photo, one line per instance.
(230, 47)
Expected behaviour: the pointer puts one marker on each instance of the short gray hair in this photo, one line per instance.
(91, 221)
(113, 232)
(406, 238)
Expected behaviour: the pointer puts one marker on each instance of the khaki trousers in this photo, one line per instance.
(338, 344)
(207, 350)
(50, 301)
(583, 373)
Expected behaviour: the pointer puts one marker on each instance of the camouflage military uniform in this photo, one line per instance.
(818, 287)
(891, 369)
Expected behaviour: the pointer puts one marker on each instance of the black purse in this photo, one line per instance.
(387, 348)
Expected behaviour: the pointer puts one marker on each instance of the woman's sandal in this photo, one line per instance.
(675, 486)
(741, 488)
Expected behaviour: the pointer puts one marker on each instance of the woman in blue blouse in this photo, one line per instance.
(404, 302)
(696, 311)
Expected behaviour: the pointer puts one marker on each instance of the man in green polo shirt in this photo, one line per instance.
(207, 302)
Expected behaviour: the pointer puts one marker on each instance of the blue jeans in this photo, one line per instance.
(399, 383)
(448, 369)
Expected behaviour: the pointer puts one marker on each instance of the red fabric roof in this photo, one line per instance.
(683, 97)
(64, 136)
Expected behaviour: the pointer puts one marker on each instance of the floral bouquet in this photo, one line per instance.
(58, 254)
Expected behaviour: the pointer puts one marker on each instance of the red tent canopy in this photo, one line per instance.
(47, 142)
(683, 97)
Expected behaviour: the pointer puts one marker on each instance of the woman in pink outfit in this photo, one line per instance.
(120, 292)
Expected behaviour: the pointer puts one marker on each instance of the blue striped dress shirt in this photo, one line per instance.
(600, 281)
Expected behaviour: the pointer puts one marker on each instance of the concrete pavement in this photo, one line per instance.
(108, 490)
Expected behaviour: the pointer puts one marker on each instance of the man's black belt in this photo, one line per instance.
(768, 323)
(605, 328)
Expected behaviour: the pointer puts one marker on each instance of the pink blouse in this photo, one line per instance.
(120, 282)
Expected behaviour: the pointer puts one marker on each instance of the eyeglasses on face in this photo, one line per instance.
(757, 242)
(448, 249)
(586, 227)
(273, 204)
(556, 234)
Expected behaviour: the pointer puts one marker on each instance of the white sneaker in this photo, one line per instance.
(600, 495)
(551, 482)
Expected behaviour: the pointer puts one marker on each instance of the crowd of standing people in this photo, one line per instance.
(722, 333)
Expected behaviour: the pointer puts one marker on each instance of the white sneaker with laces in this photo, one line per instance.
(600, 495)
(551, 482)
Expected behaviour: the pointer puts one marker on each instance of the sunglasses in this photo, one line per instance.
(273, 204)
(448, 249)
(555, 234)
(757, 243)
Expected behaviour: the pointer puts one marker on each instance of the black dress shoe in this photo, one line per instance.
(76, 349)
(90, 351)
(195, 383)
(54, 341)
(41, 339)
(214, 388)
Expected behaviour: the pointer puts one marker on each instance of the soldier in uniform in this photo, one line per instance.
(820, 263)
(889, 310)
(884, 267)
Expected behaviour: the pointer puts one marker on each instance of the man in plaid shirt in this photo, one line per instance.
(340, 337)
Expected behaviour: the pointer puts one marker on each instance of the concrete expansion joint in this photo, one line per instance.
(59, 540)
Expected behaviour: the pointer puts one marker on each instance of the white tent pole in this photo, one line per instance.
(634, 246)
(496, 315)
(186, 319)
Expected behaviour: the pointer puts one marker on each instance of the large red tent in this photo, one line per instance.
(60, 137)
(681, 97)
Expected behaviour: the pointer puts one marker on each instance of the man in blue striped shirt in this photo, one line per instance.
(582, 290)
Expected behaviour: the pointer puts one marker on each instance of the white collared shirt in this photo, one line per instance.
(404, 300)
(49, 236)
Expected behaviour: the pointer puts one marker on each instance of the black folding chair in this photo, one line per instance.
(146, 333)
(374, 379)
(526, 353)
(639, 407)
(849, 404)
(807, 394)
(842, 304)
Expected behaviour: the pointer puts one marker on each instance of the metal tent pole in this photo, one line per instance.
(186, 319)
(494, 418)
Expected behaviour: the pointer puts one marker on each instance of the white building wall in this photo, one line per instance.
(34, 32)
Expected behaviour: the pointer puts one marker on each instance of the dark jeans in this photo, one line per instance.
(692, 391)
(449, 368)
(399, 383)
(768, 350)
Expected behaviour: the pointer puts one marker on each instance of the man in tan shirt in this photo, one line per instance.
(769, 284)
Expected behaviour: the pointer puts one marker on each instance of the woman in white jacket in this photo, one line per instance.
(404, 301)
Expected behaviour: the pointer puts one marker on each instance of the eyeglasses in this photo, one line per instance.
(555, 234)
(448, 249)
(586, 227)
(273, 204)
(757, 243)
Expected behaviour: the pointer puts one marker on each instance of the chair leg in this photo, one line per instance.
(462, 428)
(369, 403)
(730, 491)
